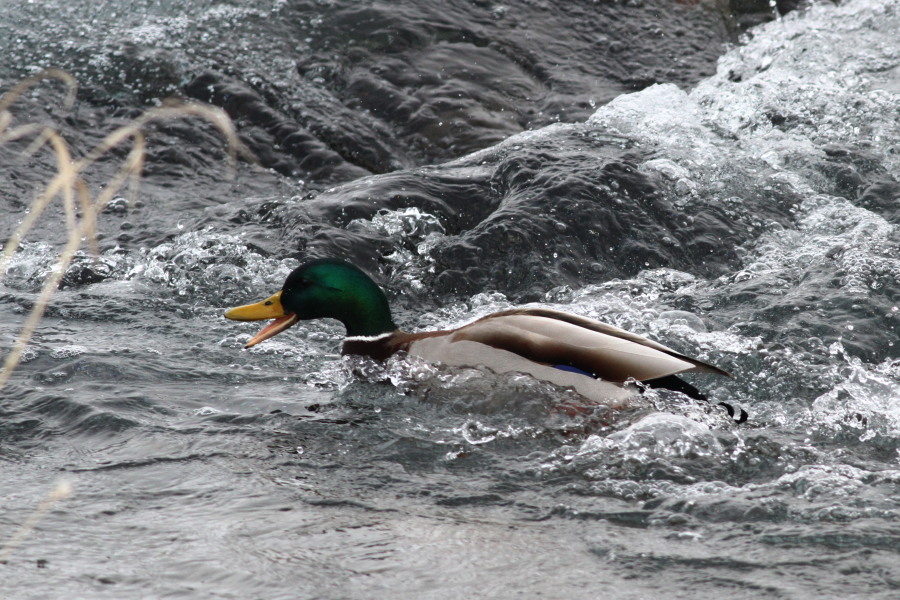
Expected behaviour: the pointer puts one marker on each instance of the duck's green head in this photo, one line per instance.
(320, 289)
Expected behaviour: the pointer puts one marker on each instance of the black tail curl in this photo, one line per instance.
(739, 416)
(677, 384)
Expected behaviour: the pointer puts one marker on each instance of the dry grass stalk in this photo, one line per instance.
(61, 491)
(70, 185)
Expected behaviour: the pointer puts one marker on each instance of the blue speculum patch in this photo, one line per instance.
(572, 369)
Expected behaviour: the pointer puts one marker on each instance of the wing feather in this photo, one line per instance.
(557, 338)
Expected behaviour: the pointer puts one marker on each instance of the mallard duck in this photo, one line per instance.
(599, 361)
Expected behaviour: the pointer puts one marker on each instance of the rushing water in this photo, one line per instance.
(587, 156)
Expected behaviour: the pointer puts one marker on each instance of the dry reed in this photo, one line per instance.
(70, 186)
(61, 491)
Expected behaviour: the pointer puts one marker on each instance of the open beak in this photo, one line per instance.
(269, 308)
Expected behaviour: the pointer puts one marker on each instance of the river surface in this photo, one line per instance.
(720, 180)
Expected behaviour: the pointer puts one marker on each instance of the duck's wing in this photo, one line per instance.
(556, 338)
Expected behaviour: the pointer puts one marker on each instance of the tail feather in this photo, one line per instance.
(677, 384)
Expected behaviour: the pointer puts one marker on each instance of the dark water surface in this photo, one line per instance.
(593, 157)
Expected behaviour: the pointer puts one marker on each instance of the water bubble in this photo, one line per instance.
(68, 351)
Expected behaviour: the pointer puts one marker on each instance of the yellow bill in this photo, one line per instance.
(270, 308)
